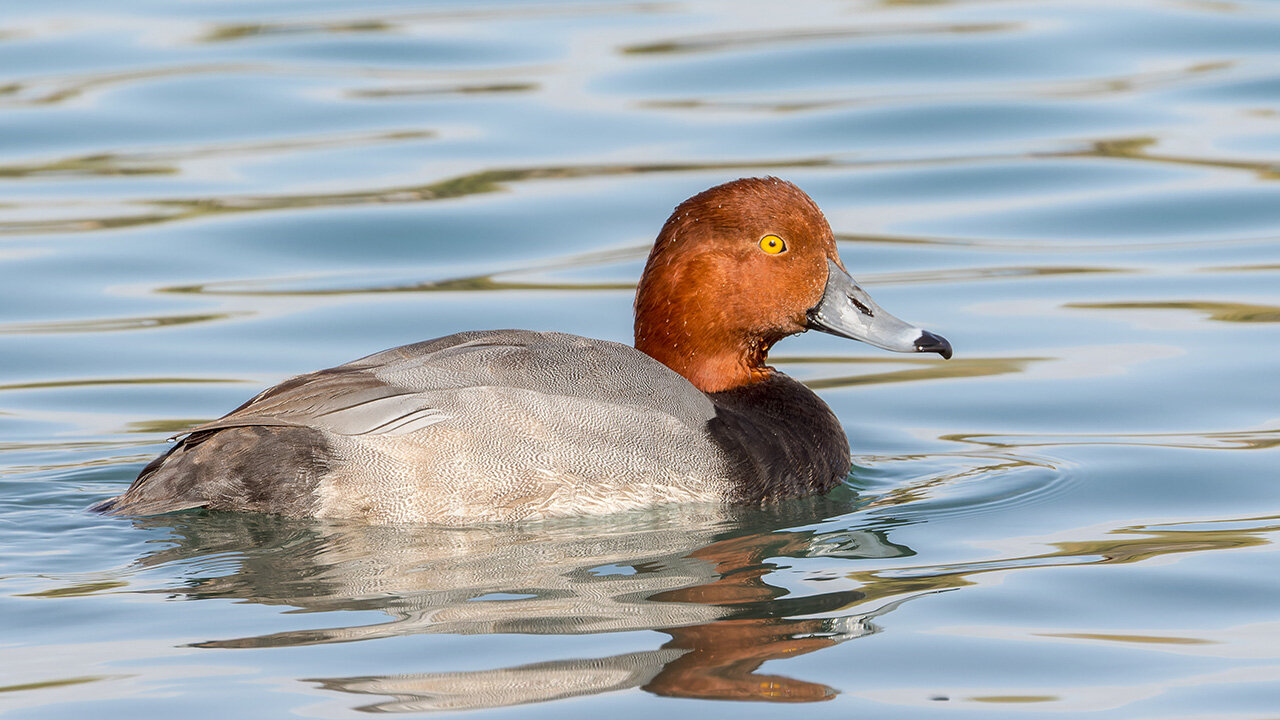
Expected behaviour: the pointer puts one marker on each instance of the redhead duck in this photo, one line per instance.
(511, 425)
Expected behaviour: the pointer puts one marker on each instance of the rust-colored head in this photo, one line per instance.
(739, 267)
(716, 295)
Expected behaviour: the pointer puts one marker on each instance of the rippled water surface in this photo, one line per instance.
(1078, 513)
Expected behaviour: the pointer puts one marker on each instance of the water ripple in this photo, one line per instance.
(1082, 197)
(1257, 439)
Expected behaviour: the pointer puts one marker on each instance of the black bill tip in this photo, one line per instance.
(928, 342)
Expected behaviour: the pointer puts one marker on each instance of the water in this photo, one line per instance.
(1076, 514)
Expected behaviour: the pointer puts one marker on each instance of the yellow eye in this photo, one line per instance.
(772, 244)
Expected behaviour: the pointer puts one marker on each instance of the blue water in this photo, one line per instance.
(1076, 515)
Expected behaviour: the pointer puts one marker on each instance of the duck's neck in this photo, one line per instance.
(711, 361)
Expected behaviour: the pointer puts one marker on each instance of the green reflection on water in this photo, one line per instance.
(115, 324)
(168, 162)
(81, 590)
(485, 181)
(58, 90)
(756, 40)
(1015, 698)
(1262, 439)
(1123, 546)
(462, 89)
(474, 283)
(1125, 83)
(1140, 639)
(932, 370)
(1138, 148)
(1219, 311)
(104, 164)
(489, 282)
(92, 382)
(387, 22)
(1260, 267)
(233, 31)
(61, 682)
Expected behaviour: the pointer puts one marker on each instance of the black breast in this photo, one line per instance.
(786, 441)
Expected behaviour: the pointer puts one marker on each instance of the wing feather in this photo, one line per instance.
(409, 388)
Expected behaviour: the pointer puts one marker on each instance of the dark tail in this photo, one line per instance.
(145, 497)
(254, 468)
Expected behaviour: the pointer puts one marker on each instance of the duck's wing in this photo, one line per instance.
(529, 413)
(343, 400)
(398, 391)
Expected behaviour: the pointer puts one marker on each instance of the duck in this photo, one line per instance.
(508, 426)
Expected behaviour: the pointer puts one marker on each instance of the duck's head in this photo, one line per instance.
(739, 267)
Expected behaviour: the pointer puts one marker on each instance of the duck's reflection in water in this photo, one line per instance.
(697, 575)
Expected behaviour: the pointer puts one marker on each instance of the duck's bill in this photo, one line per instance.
(848, 311)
